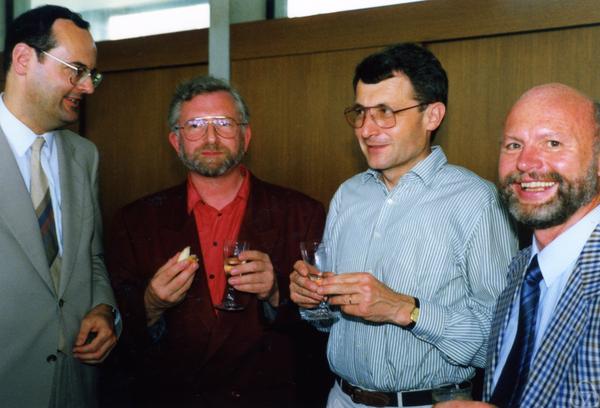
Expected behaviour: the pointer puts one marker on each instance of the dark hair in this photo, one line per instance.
(204, 85)
(34, 28)
(425, 72)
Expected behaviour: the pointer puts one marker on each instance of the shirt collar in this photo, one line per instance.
(561, 254)
(424, 170)
(194, 197)
(19, 136)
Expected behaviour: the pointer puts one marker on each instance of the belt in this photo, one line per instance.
(386, 399)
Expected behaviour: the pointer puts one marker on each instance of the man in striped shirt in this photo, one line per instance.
(420, 247)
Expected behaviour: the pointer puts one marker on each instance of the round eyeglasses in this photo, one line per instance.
(196, 128)
(382, 115)
(80, 72)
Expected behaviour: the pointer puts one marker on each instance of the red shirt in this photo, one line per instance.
(214, 228)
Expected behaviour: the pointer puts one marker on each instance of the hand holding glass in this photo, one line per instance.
(318, 255)
(231, 252)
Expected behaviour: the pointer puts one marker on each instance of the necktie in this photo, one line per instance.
(514, 375)
(42, 203)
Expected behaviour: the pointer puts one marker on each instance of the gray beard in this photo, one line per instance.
(570, 197)
(197, 166)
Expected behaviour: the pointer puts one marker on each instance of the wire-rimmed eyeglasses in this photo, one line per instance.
(80, 72)
(383, 115)
(196, 128)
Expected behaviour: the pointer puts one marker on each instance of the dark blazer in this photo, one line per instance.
(236, 358)
(565, 372)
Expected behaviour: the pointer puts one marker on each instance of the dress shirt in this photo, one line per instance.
(214, 228)
(440, 235)
(21, 138)
(557, 261)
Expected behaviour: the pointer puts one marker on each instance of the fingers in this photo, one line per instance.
(96, 337)
(172, 280)
(303, 291)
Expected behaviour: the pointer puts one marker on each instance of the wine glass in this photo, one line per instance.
(317, 254)
(231, 253)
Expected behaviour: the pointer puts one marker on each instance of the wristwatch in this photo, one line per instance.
(414, 315)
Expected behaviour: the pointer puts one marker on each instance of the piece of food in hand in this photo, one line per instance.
(185, 254)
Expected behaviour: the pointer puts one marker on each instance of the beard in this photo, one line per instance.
(211, 167)
(570, 197)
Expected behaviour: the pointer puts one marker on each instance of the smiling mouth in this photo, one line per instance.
(535, 186)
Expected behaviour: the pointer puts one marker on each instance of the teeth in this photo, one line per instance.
(537, 185)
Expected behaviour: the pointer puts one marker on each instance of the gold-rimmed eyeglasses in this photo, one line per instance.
(196, 128)
(80, 72)
(383, 115)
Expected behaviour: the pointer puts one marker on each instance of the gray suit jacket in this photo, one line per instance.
(32, 314)
(565, 372)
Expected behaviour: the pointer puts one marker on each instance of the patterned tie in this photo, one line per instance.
(513, 378)
(42, 203)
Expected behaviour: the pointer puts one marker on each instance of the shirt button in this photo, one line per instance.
(390, 201)
(219, 214)
(377, 235)
(211, 276)
(51, 358)
(215, 243)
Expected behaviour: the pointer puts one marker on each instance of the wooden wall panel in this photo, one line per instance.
(487, 76)
(300, 138)
(127, 120)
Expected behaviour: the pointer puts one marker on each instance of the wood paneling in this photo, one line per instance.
(488, 75)
(296, 77)
(127, 119)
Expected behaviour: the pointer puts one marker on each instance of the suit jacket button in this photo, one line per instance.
(51, 358)
(235, 394)
(61, 303)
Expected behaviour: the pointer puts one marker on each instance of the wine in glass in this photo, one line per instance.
(231, 253)
(318, 255)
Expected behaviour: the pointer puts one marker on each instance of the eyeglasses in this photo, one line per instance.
(80, 72)
(196, 128)
(383, 115)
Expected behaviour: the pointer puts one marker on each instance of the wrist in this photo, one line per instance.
(414, 314)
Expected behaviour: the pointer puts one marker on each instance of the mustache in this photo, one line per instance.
(518, 177)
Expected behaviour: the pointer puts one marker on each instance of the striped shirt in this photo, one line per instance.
(440, 235)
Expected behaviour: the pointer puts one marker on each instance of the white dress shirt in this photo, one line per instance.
(20, 138)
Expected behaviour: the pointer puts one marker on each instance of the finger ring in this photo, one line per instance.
(350, 299)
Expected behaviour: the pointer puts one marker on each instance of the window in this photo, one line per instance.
(300, 8)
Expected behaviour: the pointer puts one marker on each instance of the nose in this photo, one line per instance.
(369, 127)
(211, 133)
(86, 86)
(529, 159)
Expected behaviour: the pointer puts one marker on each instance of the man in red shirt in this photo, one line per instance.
(178, 348)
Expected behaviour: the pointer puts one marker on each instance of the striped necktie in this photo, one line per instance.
(42, 203)
(514, 375)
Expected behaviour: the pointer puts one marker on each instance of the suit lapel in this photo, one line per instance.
(16, 212)
(562, 337)
(501, 316)
(73, 188)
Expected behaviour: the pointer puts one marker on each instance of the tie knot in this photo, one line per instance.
(533, 275)
(38, 143)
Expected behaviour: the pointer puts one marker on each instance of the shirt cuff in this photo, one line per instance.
(431, 322)
(157, 330)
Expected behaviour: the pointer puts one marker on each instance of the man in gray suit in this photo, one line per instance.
(57, 305)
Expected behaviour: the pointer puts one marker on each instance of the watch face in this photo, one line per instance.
(414, 315)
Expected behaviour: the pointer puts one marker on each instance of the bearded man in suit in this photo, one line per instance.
(57, 303)
(543, 348)
(182, 348)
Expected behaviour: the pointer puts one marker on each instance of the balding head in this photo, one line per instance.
(548, 162)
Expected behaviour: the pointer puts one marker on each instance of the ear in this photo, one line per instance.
(21, 58)
(174, 140)
(247, 136)
(434, 115)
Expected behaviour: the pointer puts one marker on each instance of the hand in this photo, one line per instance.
(96, 337)
(361, 294)
(168, 287)
(463, 404)
(303, 291)
(256, 275)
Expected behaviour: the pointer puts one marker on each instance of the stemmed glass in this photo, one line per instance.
(231, 253)
(317, 254)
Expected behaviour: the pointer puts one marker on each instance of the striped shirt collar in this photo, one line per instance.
(425, 170)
